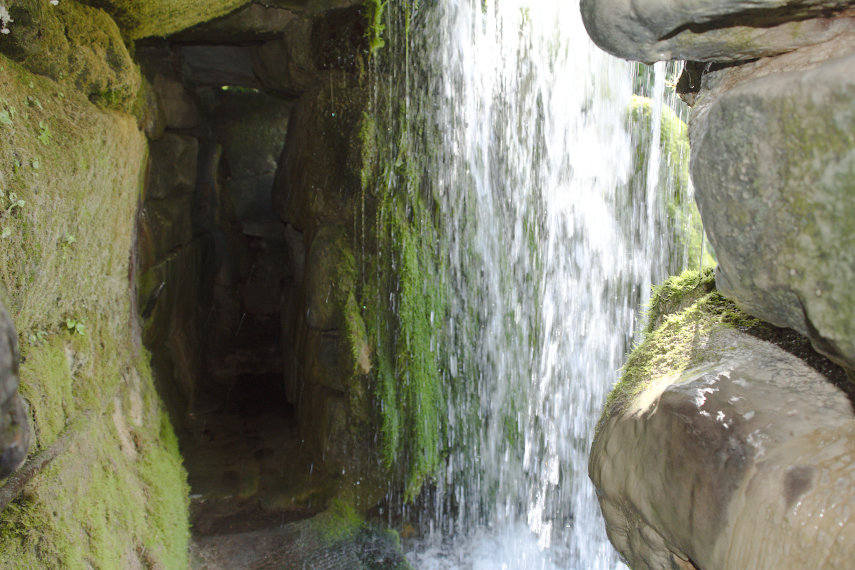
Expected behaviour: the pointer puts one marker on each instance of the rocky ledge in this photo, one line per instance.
(712, 30)
(722, 450)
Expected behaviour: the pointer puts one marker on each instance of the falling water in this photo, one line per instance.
(551, 239)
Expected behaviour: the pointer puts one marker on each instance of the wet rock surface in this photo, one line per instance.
(773, 162)
(303, 544)
(733, 453)
(741, 457)
(660, 30)
(15, 433)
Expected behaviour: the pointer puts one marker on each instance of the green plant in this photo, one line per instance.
(13, 201)
(65, 244)
(37, 337)
(75, 326)
(44, 133)
(68, 240)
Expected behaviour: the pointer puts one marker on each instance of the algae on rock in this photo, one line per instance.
(371, 293)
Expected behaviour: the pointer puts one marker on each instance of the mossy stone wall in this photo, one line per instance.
(71, 169)
(144, 18)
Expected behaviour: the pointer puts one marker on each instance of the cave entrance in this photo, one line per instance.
(244, 332)
(216, 265)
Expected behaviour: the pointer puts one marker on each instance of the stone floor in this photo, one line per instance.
(248, 474)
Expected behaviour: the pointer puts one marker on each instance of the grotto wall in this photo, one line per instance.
(771, 131)
(103, 483)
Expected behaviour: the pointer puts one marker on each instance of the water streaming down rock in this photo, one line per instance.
(547, 248)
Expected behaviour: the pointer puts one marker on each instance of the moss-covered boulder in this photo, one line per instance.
(773, 161)
(75, 45)
(141, 19)
(721, 450)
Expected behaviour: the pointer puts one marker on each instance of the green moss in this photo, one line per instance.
(374, 10)
(687, 308)
(107, 500)
(684, 223)
(84, 184)
(140, 19)
(402, 264)
(340, 522)
(76, 45)
(116, 497)
(46, 384)
(342, 531)
(676, 293)
(166, 510)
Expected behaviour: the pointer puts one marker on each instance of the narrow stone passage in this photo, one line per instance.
(248, 284)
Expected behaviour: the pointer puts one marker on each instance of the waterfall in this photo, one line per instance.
(547, 239)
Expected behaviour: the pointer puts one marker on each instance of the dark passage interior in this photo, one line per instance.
(221, 273)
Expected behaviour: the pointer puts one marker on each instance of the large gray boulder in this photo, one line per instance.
(711, 30)
(723, 451)
(773, 161)
(15, 434)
